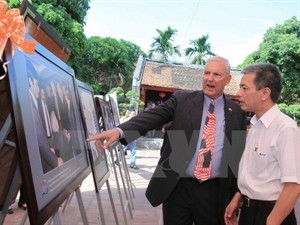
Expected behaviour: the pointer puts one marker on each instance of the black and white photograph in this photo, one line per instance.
(115, 109)
(98, 159)
(49, 127)
(106, 119)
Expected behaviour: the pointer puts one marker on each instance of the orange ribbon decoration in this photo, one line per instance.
(12, 26)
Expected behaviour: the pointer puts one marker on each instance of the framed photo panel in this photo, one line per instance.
(98, 159)
(50, 134)
(115, 110)
(105, 116)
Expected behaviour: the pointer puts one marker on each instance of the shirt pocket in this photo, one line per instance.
(260, 161)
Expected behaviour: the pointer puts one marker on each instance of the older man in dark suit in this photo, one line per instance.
(186, 197)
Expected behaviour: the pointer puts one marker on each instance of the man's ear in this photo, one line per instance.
(266, 93)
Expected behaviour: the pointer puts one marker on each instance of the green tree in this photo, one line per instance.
(77, 9)
(292, 110)
(108, 63)
(66, 18)
(13, 3)
(281, 46)
(163, 46)
(200, 50)
(69, 28)
(129, 100)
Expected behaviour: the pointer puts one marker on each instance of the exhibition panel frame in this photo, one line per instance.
(48, 180)
(98, 159)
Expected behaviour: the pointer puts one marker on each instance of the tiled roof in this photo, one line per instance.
(185, 77)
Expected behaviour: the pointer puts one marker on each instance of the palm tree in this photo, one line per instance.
(163, 44)
(200, 48)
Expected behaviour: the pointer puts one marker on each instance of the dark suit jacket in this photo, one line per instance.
(185, 108)
(48, 158)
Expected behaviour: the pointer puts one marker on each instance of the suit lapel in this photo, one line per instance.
(228, 110)
(196, 111)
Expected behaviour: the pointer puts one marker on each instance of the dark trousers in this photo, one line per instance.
(258, 216)
(192, 202)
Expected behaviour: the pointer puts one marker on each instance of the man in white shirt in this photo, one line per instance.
(269, 171)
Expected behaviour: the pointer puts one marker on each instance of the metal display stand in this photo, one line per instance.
(126, 176)
(81, 206)
(130, 185)
(68, 200)
(112, 202)
(100, 207)
(56, 219)
(125, 205)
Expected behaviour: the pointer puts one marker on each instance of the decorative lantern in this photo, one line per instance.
(162, 94)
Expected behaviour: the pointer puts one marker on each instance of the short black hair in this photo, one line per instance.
(267, 75)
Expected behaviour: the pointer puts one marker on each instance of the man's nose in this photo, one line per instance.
(238, 93)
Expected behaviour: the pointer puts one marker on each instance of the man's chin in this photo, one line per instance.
(210, 93)
(243, 106)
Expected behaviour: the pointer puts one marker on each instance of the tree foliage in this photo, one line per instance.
(163, 46)
(129, 100)
(200, 49)
(13, 3)
(101, 62)
(66, 18)
(108, 62)
(281, 46)
(292, 110)
(77, 9)
(67, 23)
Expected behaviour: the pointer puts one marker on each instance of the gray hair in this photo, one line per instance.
(222, 59)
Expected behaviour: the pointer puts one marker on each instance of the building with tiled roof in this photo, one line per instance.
(156, 81)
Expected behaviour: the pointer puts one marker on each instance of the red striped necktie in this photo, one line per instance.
(203, 166)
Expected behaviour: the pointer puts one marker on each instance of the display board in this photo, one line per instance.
(50, 135)
(104, 113)
(115, 110)
(98, 159)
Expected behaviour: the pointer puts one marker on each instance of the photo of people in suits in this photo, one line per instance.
(49, 159)
(54, 117)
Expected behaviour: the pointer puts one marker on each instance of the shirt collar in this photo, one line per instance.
(217, 100)
(267, 117)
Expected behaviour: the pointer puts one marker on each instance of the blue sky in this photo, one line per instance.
(235, 28)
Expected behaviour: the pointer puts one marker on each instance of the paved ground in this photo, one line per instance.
(142, 214)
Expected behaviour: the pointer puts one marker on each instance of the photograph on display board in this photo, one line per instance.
(49, 128)
(115, 110)
(98, 159)
(106, 119)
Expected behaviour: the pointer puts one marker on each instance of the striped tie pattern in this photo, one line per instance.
(203, 166)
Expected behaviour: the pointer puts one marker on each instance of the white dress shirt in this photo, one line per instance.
(271, 156)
